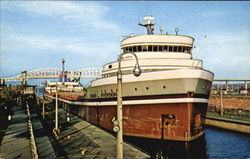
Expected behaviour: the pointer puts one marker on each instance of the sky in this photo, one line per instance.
(39, 34)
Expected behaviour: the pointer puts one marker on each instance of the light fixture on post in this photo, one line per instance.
(118, 122)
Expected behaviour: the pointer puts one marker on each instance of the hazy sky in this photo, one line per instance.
(38, 34)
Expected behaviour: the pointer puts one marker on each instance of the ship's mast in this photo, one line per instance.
(148, 24)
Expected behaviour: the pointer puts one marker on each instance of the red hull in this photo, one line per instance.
(173, 121)
(72, 96)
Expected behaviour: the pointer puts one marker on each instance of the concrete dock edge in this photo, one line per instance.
(228, 124)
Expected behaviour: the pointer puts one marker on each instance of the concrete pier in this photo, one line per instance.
(228, 124)
(80, 139)
(44, 147)
(16, 142)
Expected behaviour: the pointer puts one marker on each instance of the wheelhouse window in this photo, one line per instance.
(160, 48)
(150, 48)
(139, 49)
(179, 48)
(184, 49)
(175, 48)
(134, 49)
(144, 48)
(157, 48)
(165, 48)
(170, 48)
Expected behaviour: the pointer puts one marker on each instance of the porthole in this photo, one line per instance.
(164, 87)
(147, 88)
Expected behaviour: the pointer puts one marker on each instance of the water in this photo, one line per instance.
(216, 143)
(225, 144)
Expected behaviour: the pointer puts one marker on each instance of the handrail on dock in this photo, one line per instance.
(32, 138)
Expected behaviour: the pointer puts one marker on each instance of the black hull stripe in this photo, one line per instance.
(188, 95)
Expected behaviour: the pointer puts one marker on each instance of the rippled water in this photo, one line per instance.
(216, 143)
(225, 144)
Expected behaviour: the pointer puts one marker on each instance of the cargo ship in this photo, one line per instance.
(167, 101)
(65, 90)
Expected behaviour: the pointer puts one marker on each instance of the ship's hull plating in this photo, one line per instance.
(171, 121)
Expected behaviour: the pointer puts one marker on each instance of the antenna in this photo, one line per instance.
(148, 24)
(202, 42)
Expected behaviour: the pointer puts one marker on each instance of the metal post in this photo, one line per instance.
(119, 140)
(119, 137)
(63, 78)
(226, 86)
(56, 111)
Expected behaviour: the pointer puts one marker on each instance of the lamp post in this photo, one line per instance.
(56, 130)
(136, 72)
(56, 111)
(63, 73)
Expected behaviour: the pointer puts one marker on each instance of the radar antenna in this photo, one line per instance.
(148, 24)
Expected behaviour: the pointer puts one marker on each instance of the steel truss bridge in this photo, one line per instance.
(50, 73)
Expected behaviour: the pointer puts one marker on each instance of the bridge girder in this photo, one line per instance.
(48, 73)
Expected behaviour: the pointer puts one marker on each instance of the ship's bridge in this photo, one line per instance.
(158, 43)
